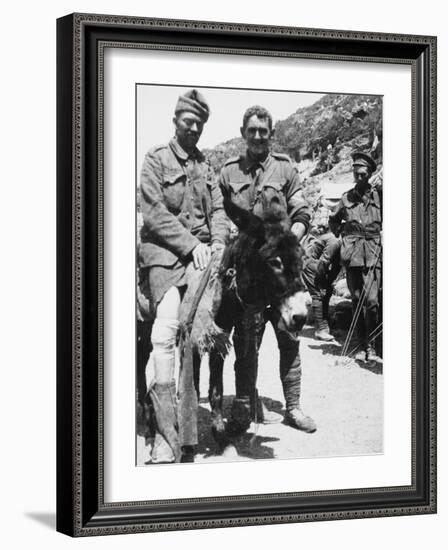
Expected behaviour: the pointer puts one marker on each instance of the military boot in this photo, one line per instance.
(324, 335)
(296, 418)
(360, 356)
(371, 354)
(240, 416)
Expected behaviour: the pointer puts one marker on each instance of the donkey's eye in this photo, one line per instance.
(276, 263)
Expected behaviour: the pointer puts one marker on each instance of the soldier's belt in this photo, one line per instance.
(363, 234)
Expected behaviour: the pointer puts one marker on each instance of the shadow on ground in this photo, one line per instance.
(335, 348)
(248, 445)
(374, 367)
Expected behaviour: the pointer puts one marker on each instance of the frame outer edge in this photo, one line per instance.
(245, 28)
(65, 441)
(71, 518)
(433, 270)
(77, 221)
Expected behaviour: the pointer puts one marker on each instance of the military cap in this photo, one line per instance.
(193, 102)
(363, 159)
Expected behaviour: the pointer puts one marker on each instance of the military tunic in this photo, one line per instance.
(358, 218)
(252, 185)
(182, 206)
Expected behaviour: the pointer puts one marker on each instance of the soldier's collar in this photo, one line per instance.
(182, 154)
(250, 162)
(354, 196)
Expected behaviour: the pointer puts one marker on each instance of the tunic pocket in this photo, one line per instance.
(174, 190)
(241, 193)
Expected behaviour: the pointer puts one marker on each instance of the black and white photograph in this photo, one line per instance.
(259, 274)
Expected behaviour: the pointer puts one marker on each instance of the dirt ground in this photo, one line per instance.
(345, 400)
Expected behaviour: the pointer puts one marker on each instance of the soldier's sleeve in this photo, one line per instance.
(379, 189)
(163, 226)
(335, 219)
(298, 208)
(329, 264)
(220, 225)
(223, 183)
(330, 251)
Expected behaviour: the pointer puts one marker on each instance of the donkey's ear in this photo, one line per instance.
(245, 221)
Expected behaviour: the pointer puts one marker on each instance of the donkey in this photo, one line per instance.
(260, 274)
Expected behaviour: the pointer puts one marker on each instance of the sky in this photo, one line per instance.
(155, 111)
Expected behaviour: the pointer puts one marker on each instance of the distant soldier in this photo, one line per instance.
(322, 266)
(358, 219)
(183, 224)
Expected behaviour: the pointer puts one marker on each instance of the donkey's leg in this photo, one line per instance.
(144, 348)
(224, 319)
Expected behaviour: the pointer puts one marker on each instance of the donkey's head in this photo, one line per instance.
(268, 261)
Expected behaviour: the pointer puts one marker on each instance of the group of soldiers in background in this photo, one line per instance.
(184, 224)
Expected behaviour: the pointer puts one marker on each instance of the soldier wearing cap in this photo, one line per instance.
(358, 219)
(252, 180)
(183, 224)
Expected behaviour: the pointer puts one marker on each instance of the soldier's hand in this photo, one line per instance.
(201, 256)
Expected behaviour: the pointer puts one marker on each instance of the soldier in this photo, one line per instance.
(322, 263)
(252, 180)
(358, 218)
(183, 224)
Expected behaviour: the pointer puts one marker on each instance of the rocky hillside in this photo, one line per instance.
(321, 137)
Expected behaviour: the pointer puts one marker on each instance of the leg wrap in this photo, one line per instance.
(163, 340)
(290, 369)
(318, 314)
(291, 382)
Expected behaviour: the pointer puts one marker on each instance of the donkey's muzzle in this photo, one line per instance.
(294, 311)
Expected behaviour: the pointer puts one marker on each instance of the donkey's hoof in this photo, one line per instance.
(240, 417)
(188, 452)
